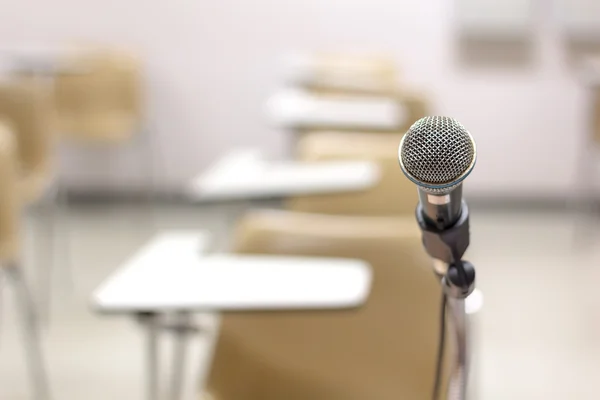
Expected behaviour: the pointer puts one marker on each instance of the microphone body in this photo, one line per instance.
(437, 154)
(441, 210)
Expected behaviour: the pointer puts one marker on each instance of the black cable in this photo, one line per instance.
(440, 354)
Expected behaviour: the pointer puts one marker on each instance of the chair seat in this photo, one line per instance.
(291, 375)
(385, 350)
(109, 128)
(257, 377)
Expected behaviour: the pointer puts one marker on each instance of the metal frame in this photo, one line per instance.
(30, 330)
(457, 387)
(446, 246)
(183, 380)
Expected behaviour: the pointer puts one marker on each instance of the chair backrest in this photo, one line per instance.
(339, 73)
(26, 105)
(385, 350)
(100, 95)
(394, 194)
(10, 201)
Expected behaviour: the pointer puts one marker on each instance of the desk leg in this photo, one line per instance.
(180, 330)
(152, 323)
(189, 342)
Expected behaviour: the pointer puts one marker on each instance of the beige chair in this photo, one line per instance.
(386, 350)
(26, 105)
(10, 259)
(99, 102)
(392, 195)
(102, 101)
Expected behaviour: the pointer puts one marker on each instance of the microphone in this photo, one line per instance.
(437, 154)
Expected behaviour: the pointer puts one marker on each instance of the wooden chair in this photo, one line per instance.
(386, 350)
(10, 260)
(393, 194)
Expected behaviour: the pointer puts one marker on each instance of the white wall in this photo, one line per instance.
(213, 63)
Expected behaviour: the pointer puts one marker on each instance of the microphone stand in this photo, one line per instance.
(447, 245)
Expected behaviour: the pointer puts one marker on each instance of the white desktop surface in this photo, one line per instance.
(245, 174)
(170, 273)
(297, 108)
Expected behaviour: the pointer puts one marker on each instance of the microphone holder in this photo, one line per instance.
(447, 245)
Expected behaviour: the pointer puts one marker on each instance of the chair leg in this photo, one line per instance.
(56, 253)
(584, 200)
(1, 304)
(45, 266)
(61, 233)
(30, 334)
(585, 190)
(149, 167)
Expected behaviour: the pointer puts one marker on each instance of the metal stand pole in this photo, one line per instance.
(457, 287)
(457, 387)
(447, 246)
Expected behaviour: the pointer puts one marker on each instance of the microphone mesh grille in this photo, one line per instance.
(437, 150)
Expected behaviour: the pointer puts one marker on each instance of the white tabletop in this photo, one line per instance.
(295, 108)
(171, 274)
(244, 174)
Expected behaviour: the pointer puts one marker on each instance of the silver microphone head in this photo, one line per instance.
(437, 153)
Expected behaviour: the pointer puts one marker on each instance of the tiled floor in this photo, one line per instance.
(538, 336)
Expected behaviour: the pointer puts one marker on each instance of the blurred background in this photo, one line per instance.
(123, 122)
(210, 69)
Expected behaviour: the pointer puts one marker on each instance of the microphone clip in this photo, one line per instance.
(449, 245)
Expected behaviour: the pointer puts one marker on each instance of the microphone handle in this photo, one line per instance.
(441, 211)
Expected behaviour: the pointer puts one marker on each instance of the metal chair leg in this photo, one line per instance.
(584, 199)
(26, 313)
(44, 272)
(148, 166)
(1, 303)
(61, 233)
(55, 239)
